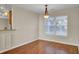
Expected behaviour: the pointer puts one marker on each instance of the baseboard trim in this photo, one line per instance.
(59, 42)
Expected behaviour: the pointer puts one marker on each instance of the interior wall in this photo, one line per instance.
(73, 27)
(26, 24)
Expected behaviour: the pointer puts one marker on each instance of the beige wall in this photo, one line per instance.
(73, 27)
(25, 22)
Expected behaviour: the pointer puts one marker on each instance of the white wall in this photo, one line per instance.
(73, 27)
(26, 24)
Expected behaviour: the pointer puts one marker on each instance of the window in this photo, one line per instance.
(56, 25)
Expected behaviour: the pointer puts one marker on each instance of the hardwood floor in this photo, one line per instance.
(56, 48)
(44, 47)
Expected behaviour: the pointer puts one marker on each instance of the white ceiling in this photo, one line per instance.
(39, 8)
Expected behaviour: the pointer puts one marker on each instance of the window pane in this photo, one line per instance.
(50, 25)
(61, 25)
